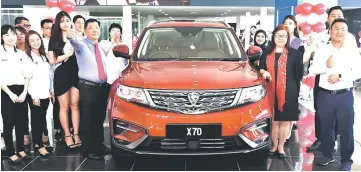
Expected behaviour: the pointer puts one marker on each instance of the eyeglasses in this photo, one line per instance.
(281, 36)
(47, 28)
(27, 25)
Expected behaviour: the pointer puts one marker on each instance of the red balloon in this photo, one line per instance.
(318, 27)
(359, 33)
(52, 3)
(319, 9)
(67, 5)
(306, 28)
(304, 9)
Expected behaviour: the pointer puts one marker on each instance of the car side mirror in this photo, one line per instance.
(254, 55)
(121, 51)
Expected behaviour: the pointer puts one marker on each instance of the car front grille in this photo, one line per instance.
(176, 145)
(194, 102)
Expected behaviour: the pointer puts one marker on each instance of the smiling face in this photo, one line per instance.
(65, 23)
(34, 41)
(339, 31)
(335, 14)
(260, 38)
(9, 38)
(92, 31)
(281, 38)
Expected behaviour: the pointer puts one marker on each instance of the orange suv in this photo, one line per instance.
(189, 89)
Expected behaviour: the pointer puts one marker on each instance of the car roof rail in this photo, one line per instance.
(152, 22)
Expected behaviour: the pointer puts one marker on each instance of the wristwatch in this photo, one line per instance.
(339, 77)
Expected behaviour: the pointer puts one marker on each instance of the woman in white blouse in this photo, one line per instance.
(39, 87)
(14, 81)
(114, 65)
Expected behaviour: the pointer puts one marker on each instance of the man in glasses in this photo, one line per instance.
(23, 22)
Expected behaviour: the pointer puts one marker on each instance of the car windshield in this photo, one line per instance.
(189, 43)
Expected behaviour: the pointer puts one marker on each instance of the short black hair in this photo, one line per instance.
(339, 20)
(21, 29)
(334, 8)
(19, 19)
(45, 21)
(91, 21)
(75, 18)
(116, 25)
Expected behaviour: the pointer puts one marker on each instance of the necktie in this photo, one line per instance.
(99, 62)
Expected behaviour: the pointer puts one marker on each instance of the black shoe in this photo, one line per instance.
(272, 154)
(94, 156)
(106, 149)
(314, 146)
(18, 161)
(282, 155)
(324, 161)
(295, 127)
(346, 166)
(58, 137)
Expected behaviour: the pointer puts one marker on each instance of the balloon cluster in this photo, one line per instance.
(55, 6)
(311, 17)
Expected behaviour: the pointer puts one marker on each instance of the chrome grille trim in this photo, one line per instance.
(179, 101)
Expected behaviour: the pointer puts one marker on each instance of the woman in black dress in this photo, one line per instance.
(65, 77)
(260, 40)
(283, 66)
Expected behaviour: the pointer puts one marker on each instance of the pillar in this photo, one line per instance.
(247, 30)
(264, 17)
(238, 25)
(127, 27)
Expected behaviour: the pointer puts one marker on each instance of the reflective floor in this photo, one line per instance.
(298, 159)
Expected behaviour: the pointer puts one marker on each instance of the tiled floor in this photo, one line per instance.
(298, 159)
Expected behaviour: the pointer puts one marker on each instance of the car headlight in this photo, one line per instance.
(131, 94)
(252, 94)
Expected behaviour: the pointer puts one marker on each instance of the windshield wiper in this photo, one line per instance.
(230, 59)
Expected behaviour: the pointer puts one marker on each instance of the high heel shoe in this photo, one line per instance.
(72, 146)
(25, 157)
(14, 162)
(79, 144)
(44, 155)
(272, 154)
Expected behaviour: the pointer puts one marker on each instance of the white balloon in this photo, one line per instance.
(322, 18)
(359, 40)
(300, 18)
(312, 18)
(53, 11)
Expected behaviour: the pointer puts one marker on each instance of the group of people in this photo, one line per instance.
(333, 57)
(66, 66)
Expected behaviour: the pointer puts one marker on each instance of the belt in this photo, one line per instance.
(93, 83)
(335, 91)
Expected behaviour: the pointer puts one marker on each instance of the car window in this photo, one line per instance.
(189, 43)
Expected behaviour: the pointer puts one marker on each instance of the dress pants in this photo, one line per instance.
(316, 90)
(92, 104)
(13, 114)
(332, 108)
(38, 120)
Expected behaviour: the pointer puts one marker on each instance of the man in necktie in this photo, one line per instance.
(93, 89)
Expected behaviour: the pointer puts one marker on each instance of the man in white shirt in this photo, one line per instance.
(46, 26)
(323, 39)
(338, 66)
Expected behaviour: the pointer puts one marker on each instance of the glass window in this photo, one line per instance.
(189, 43)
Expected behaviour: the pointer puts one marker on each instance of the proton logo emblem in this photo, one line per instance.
(193, 98)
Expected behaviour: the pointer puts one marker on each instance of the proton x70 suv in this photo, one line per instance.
(189, 89)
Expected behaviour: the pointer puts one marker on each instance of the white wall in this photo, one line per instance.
(35, 15)
(251, 21)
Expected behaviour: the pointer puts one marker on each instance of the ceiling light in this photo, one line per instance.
(229, 10)
(166, 14)
(222, 14)
(160, 10)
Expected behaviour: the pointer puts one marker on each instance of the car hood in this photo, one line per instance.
(190, 75)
